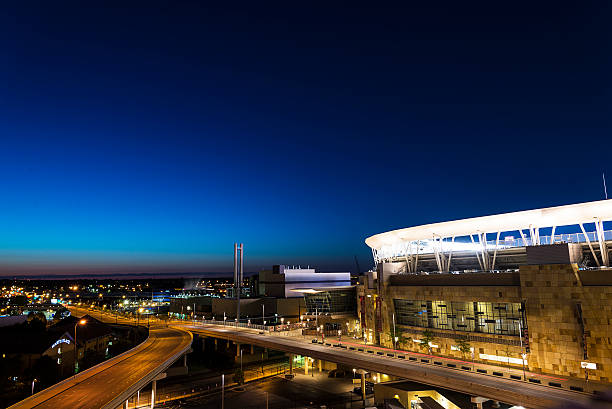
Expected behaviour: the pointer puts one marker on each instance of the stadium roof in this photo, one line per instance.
(567, 215)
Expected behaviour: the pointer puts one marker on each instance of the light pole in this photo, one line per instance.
(222, 391)
(33, 380)
(523, 354)
(76, 356)
(394, 334)
(395, 342)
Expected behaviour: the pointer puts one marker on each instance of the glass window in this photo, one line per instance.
(485, 317)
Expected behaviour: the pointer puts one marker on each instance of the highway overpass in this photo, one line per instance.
(511, 391)
(109, 384)
(174, 341)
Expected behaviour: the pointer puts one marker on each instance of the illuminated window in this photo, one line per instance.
(485, 317)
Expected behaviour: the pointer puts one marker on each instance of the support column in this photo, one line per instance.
(237, 350)
(320, 365)
(216, 345)
(363, 387)
(185, 360)
(306, 364)
(291, 356)
(252, 349)
(153, 393)
(126, 404)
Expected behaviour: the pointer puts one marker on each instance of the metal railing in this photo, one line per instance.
(408, 248)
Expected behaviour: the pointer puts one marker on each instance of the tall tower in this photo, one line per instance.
(238, 275)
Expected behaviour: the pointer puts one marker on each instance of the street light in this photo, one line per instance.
(395, 342)
(76, 356)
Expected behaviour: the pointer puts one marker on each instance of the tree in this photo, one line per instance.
(401, 339)
(427, 339)
(463, 345)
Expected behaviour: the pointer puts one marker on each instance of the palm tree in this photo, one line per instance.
(401, 339)
(463, 345)
(427, 339)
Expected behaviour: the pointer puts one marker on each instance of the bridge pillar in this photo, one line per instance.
(306, 363)
(479, 400)
(153, 393)
(126, 404)
(320, 365)
(237, 350)
(363, 387)
(216, 344)
(291, 364)
(252, 349)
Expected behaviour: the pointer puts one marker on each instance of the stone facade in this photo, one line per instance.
(550, 294)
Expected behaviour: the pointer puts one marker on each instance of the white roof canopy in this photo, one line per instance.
(588, 212)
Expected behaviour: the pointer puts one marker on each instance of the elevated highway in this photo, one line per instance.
(109, 384)
(369, 358)
(510, 391)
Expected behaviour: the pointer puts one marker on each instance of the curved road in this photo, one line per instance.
(104, 385)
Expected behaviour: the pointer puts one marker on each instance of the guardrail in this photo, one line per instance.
(459, 365)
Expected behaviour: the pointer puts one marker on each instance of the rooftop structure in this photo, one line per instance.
(501, 238)
(282, 280)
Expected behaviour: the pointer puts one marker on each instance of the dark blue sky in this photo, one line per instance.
(151, 137)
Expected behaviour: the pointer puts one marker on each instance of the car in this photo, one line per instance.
(369, 390)
(337, 373)
(314, 341)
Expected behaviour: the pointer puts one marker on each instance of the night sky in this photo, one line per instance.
(149, 138)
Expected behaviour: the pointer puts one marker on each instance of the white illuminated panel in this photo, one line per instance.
(588, 365)
(588, 212)
(504, 359)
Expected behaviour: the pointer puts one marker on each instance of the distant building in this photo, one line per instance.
(56, 342)
(333, 308)
(252, 309)
(281, 280)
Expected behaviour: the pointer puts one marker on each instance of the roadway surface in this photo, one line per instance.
(102, 385)
(511, 391)
(514, 392)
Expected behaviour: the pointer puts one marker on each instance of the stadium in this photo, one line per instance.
(499, 242)
(530, 289)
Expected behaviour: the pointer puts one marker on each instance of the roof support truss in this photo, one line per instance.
(590, 245)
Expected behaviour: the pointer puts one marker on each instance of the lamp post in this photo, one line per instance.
(140, 310)
(76, 354)
(523, 354)
(395, 342)
(394, 334)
